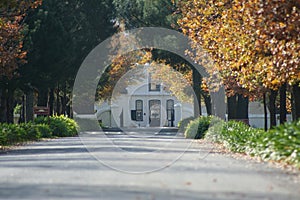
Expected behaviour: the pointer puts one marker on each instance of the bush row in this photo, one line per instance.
(60, 126)
(279, 144)
(42, 127)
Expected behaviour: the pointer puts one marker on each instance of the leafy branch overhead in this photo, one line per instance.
(255, 44)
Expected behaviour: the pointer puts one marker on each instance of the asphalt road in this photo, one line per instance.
(139, 166)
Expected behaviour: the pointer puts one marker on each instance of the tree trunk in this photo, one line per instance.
(29, 105)
(242, 108)
(231, 107)
(265, 112)
(43, 97)
(64, 101)
(10, 106)
(293, 106)
(51, 101)
(272, 107)
(207, 101)
(57, 100)
(283, 110)
(22, 114)
(70, 111)
(3, 105)
(237, 108)
(197, 80)
(296, 101)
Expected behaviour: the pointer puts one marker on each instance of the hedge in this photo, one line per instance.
(60, 126)
(279, 144)
(197, 127)
(42, 127)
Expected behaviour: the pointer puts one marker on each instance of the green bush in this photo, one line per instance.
(237, 136)
(43, 127)
(279, 144)
(60, 126)
(31, 131)
(182, 125)
(282, 144)
(197, 127)
(11, 134)
(45, 130)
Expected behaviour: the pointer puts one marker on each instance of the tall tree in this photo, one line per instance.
(254, 43)
(12, 54)
(61, 34)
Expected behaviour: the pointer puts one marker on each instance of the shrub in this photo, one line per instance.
(197, 127)
(60, 126)
(11, 134)
(182, 125)
(43, 127)
(45, 130)
(213, 133)
(237, 136)
(31, 131)
(282, 144)
(279, 144)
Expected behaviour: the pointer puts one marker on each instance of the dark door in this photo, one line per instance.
(170, 112)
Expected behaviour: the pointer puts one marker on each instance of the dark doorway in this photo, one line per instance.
(170, 112)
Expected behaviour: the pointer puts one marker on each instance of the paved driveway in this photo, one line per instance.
(136, 165)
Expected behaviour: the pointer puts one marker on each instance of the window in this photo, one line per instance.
(153, 86)
(139, 110)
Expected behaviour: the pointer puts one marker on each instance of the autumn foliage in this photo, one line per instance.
(11, 34)
(123, 60)
(255, 45)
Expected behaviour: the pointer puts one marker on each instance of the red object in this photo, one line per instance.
(41, 110)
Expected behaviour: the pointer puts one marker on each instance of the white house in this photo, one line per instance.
(142, 103)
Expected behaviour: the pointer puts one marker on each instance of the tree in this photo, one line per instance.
(160, 13)
(144, 13)
(61, 34)
(121, 63)
(277, 27)
(240, 36)
(12, 54)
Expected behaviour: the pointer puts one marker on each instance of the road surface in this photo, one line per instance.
(137, 165)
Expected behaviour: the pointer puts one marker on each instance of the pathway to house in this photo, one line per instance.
(137, 165)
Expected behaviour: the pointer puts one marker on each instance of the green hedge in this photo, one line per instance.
(282, 144)
(197, 127)
(42, 127)
(11, 134)
(60, 126)
(279, 144)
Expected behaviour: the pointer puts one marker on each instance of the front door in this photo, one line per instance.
(155, 114)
